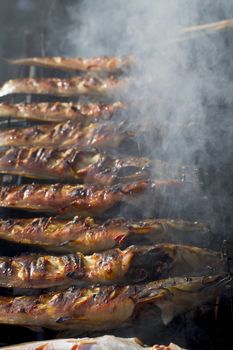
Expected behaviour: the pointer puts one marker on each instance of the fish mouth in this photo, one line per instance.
(206, 283)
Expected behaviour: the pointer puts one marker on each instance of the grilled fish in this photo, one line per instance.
(88, 236)
(66, 134)
(104, 63)
(106, 342)
(84, 199)
(102, 308)
(72, 165)
(66, 87)
(132, 265)
(60, 111)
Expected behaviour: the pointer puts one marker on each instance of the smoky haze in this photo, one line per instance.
(180, 81)
(182, 84)
(173, 79)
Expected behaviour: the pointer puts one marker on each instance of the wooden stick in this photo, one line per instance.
(197, 31)
(221, 25)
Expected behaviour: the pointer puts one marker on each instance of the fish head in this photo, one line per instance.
(174, 296)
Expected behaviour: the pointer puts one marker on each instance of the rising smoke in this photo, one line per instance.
(174, 78)
(183, 84)
(179, 82)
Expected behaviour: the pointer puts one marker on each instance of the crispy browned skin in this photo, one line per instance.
(103, 308)
(133, 265)
(87, 199)
(103, 63)
(63, 87)
(70, 133)
(70, 199)
(60, 111)
(72, 165)
(88, 236)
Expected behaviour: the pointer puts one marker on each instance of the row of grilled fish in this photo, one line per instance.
(120, 277)
(67, 152)
(78, 85)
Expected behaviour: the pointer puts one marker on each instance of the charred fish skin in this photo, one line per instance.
(103, 308)
(86, 200)
(66, 87)
(88, 236)
(69, 236)
(106, 342)
(95, 64)
(63, 135)
(136, 264)
(72, 165)
(71, 200)
(61, 111)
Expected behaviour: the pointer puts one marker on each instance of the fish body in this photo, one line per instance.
(89, 236)
(103, 308)
(132, 265)
(60, 111)
(85, 200)
(94, 64)
(72, 164)
(70, 199)
(66, 134)
(106, 342)
(65, 87)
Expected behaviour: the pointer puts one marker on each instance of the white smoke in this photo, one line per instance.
(172, 77)
(176, 76)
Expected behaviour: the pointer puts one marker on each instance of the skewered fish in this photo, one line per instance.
(104, 63)
(70, 133)
(60, 111)
(85, 199)
(79, 165)
(72, 165)
(102, 308)
(88, 236)
(106, 342)
(66, 87)
(133, 265)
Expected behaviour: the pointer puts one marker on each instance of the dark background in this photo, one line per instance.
(30, 27)
(49, 20)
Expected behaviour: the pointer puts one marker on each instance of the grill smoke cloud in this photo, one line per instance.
(179, 81)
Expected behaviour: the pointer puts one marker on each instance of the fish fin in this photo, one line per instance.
(168, 310)
(167, 314)
(149, 299)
